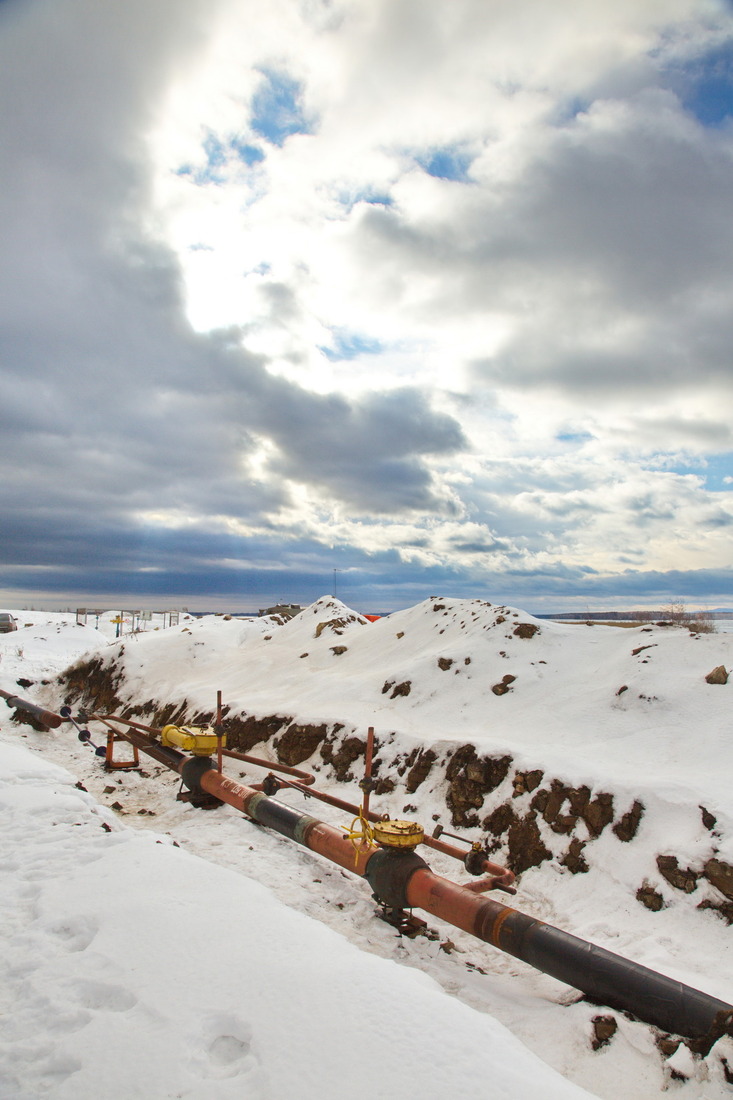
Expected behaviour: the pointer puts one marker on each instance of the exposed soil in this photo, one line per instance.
(470, 779)
(529, 807)
(298, 742)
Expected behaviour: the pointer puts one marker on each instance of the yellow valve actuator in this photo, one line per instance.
(199, 740)
(398, 834)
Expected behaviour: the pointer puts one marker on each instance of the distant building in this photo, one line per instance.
(284, 610)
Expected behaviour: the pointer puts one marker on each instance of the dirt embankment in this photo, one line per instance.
(524, 817)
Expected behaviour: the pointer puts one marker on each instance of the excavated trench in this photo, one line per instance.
(524, 817)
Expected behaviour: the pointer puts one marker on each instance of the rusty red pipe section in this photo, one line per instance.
(171, 758)
(219, 731)
(140, 726)
(331, 800)
(304, 777)
(45, 717)
(603, 976)
(498, 876)
(367, 780)
(402, 879)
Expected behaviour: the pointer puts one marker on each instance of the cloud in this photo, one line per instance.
(106, 386)
(416, 290)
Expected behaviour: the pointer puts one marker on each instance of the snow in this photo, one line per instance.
(240, 964)
(564, 709)
(133, 968)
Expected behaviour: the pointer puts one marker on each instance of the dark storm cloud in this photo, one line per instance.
(365, 453)
(648, 585)
(191, 567)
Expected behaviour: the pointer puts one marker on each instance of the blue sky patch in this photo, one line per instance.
(705, 86)
(215, 151)
(376, 199)
(201, 175)
(216, 158)
(446, 164)
(349, 345)
(218, 154)
(715, 470)
(574, 437)
(248, 154)
(277, 111)
(571, 108)
(349, 199)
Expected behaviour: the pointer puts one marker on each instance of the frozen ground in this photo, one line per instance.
(186, 976)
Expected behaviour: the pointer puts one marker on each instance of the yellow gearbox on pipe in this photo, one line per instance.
(198, 740)
(398, 834)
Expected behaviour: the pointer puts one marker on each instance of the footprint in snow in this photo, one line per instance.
(227, 1051)
(76, 933)
(101, 995)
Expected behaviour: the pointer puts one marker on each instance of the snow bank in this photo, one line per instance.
(133, 968)
(47, 642)
(578, 699)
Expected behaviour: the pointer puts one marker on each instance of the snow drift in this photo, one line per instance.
(593, 760)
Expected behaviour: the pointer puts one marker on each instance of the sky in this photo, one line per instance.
(386, 298)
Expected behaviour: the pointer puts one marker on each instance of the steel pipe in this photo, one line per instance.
(600, 974)
(46, 717)
(304, 777)
(330, 800)
(603, 976)
(155, 730)
(171, 758)
(402, 879)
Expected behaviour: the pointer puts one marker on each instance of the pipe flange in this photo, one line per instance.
(475, 860)
(193, 770)
(389, 871)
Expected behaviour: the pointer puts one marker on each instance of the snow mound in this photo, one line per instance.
(124, 979)
(560, 696)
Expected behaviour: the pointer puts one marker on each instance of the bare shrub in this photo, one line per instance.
(701, 622)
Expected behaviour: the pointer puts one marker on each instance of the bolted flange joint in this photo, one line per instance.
(389, 871)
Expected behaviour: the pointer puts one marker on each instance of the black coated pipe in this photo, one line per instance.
(281, 818)
(620, 983)
(605, 977)
(402, 879)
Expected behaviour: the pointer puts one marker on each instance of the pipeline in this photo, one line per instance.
(401, 879)
(45, 717)
(303, 777)
(475, 863)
